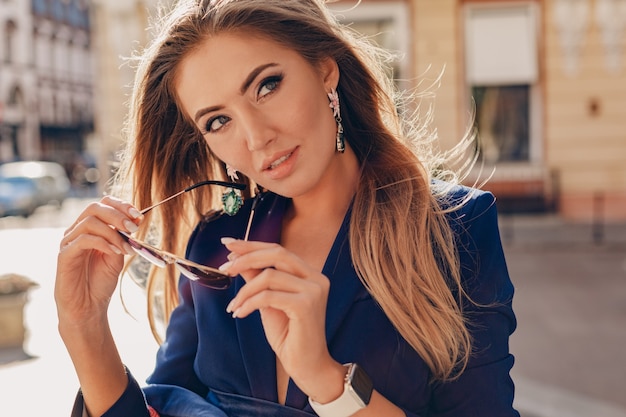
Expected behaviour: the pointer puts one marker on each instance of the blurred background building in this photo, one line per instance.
(548, 82)
(46, 80)
(542, 81)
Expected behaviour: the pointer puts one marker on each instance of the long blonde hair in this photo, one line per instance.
(401, 243)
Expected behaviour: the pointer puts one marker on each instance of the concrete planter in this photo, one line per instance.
(12, 331)
(13, 298)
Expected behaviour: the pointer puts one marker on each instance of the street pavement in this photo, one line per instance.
(570, 303)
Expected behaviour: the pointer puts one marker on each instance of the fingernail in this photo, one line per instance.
(229, 307)
(134, 213)
(225, 266)
(236, 313)
(130, 226)
(129, 249)
(115, 249)
(227, 240)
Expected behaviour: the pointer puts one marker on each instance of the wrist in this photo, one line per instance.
(356, 395)
(327, 385)
(92, 332)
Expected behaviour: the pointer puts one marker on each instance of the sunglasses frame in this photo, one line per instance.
(211, 277)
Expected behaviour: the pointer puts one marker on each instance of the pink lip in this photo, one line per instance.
(267, 162)
(285, 168)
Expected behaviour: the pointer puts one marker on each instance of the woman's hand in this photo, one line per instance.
(88, 266)
(291, 298)
(90, 260)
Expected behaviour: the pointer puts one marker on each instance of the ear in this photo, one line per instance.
(329, 71)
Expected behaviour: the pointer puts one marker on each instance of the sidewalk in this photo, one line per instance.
(570, 303)
(39, 380)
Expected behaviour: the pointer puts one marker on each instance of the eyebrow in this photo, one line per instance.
(244, 87)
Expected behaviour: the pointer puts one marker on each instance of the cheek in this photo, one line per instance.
(221, 151)
(310, 114)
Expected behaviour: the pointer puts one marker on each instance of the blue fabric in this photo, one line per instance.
(211, 362)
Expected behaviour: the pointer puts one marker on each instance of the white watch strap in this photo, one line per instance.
(346, 405)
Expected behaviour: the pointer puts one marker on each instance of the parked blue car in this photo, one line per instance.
(24, 186)
(18, 196)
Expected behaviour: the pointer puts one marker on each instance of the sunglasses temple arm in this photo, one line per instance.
(221, 183)
(255, 202)
(144, 211)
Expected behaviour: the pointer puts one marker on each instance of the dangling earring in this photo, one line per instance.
(231, 199)
(334, 104)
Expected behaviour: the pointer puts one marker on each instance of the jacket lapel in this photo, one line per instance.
(258, 357)
(345, 287)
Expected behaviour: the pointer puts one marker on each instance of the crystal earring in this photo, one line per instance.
(231, 199)
(334, 104)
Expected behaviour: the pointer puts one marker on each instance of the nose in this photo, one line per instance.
(257, 130)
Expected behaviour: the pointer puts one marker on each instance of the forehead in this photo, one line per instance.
(220, 64)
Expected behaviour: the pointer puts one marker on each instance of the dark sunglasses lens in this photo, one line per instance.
(146, 253)
(207, 276)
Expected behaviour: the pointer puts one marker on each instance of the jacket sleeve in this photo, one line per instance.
(485, 387)
(130, 403)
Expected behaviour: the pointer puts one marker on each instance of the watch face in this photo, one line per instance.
(361, 384)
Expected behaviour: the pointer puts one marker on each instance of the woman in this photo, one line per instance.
(361, 285)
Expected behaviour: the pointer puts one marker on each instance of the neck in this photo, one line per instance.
(331, 199)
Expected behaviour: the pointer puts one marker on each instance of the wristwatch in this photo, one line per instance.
(356, 395)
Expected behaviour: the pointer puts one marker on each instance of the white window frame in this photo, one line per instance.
(533, 80)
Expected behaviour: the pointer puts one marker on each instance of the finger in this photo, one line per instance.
(244, 246)
(292, 303)
(267, 256)
(111, 210)
(93, 226)
(86, 242)
(271, 280)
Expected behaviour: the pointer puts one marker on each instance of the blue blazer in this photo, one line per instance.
(213, 365)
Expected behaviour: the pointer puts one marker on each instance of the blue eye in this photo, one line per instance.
(269, 85)
(216, 123)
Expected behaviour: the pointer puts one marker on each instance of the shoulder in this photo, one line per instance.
(463, 205)
(473, 218)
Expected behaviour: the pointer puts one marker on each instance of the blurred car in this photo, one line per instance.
(50, 182)
(18, 196)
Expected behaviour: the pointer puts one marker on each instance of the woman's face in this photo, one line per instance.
(264, 110)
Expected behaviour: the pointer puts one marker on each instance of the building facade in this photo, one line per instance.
(120, 30)
(46, 80)
(542, 82)
(62, 57)
(19, 130)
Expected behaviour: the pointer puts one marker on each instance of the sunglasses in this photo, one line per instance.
(202, 274)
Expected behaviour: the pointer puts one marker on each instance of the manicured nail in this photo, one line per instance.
(134, 213)
(227, 240)
(236, 313)
(225, 266)
(115, 249)
(229, 307)
(128, 249)
(130, 226)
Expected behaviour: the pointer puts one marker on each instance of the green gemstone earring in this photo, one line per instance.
(231, 199)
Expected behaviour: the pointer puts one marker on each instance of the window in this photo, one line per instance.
(15, 97)
(10, 29)
(385, 23)
(502, 118)
(502, 74)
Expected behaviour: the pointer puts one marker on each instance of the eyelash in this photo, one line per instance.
(274, 79)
